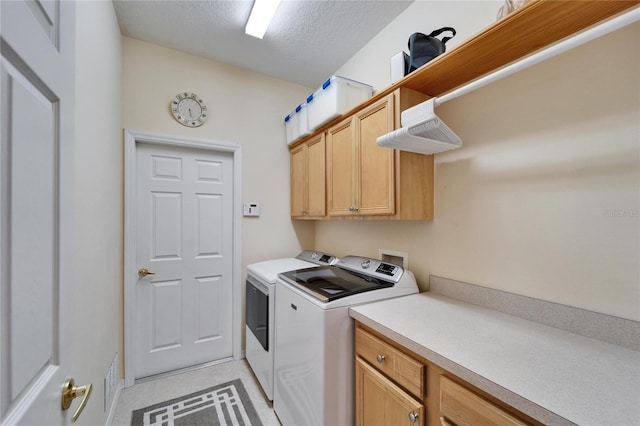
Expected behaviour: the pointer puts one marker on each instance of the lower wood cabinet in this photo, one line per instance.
(461, 406)
(380, 402)
(395, 386)
(399, 367)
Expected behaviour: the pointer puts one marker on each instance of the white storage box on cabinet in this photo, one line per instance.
(336, 96)
(296, 124)
(291, 127)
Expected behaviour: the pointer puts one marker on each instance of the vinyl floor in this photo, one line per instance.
(157, 390)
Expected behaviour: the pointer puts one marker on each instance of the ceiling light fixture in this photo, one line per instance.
(261, 14)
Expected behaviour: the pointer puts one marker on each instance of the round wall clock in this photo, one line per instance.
(189, 109)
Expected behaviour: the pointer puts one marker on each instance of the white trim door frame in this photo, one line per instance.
(131, 140)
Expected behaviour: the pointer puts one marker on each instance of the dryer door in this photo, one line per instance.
(257, 310)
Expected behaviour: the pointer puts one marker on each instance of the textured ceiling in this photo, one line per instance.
(306, 42)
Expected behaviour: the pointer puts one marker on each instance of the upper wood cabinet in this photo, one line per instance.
(363, 180)
(308, 179)
(370, 182)
(360, 174)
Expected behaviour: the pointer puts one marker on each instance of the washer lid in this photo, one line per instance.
(328, 283)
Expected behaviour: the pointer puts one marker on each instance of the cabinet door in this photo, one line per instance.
(316, 206)
(298, 181)
(380, 402)
(340, 173)
(308, 179)
(375, 186)
(400, 368)
(461, 406)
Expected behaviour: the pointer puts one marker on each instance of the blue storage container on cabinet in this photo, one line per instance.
(336, 96)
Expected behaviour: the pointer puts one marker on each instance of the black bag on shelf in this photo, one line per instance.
(423, 48)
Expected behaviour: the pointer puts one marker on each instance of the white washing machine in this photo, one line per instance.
(314, 353)
(260, 310)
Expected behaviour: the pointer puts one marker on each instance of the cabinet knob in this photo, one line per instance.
(413, 417)
(380, 358)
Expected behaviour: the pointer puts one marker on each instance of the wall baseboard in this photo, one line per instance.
(114, 402)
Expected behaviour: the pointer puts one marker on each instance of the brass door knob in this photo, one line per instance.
(70, 392)
(143, 272)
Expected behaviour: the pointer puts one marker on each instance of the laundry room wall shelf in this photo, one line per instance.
(532, 28)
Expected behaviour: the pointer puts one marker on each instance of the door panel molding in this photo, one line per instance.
(37, 215)
(131, 139)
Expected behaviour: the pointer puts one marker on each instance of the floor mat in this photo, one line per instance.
(225, 404)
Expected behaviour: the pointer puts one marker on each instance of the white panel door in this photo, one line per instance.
(36, 220)
(184, 236)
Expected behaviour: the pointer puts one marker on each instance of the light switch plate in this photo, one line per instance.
(251, 209)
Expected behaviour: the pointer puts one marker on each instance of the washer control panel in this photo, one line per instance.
(373, 267)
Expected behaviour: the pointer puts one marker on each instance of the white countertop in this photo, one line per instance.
(550, 374)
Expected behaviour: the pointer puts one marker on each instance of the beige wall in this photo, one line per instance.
(246, 108)
(125, 83)
(543, 198)
(98, 195)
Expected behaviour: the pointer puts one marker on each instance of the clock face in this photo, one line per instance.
(189, 109)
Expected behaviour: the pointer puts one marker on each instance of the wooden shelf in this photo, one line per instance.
(533, 27)
(537, 25)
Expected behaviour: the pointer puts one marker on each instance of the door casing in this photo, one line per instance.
(131, 139)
